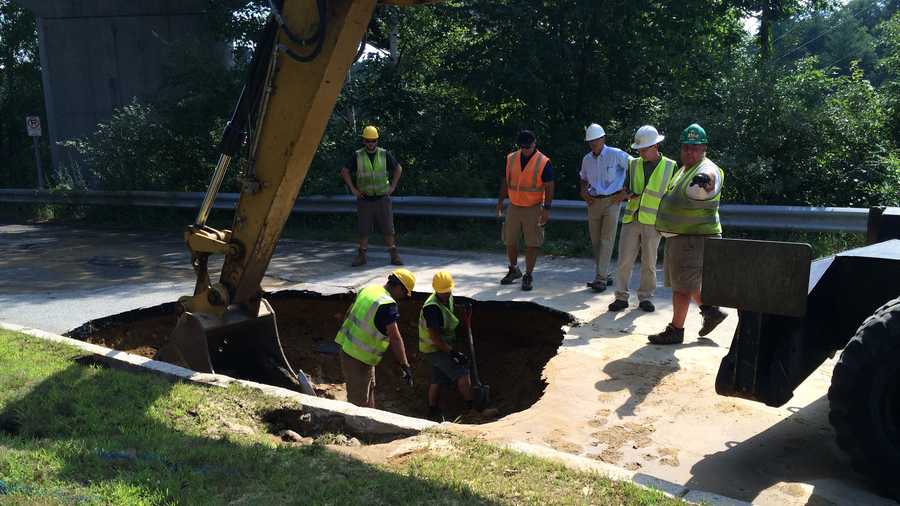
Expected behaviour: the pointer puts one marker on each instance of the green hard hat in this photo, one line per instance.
(693, 134)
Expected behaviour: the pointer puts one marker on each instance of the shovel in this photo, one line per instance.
(481, 392)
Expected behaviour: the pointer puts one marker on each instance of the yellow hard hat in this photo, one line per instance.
(370, 133)
(407, 278)
(442, 282)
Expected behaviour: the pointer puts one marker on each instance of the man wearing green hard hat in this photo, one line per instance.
(688, 215)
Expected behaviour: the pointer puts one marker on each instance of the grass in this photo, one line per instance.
(562, 238)
(72, 432)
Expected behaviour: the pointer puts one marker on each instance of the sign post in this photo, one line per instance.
(33, 125)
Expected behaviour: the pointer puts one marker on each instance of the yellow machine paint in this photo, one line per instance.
(228, 325)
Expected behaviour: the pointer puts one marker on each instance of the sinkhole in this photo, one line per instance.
(513, 343)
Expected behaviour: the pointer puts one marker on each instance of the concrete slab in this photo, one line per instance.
(611, 397)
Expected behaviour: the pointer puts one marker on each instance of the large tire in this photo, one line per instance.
(865, 398)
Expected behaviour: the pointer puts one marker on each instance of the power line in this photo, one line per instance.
(852, 16)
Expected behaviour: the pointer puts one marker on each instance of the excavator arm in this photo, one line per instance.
(296, 75)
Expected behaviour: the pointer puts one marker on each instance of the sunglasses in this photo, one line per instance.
(370, 141)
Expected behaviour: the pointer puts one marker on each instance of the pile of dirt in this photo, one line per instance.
(513, 343)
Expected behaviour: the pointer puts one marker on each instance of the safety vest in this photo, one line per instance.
(358, 336)
(680, 214)
(448, 333)
(650, 193)
(372, 179)
(525, 186)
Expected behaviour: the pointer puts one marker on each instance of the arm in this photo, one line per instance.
(504, 192)
(345, 175)
(437, 341)
(395, 178)
(548, 201)
(393, 332)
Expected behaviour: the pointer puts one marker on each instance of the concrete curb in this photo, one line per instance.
(367, 420)
(364, 420)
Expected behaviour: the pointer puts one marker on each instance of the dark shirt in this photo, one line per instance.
(433, 317)
(386, 315)
(546, 176)
(648, 171)
(392, 164)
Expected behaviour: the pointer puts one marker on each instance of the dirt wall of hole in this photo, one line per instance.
(513, 343)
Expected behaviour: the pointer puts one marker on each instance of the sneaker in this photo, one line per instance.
(618, 305)
(712, 317)
(360, 258)
(597, 285)
(511, 276)
(527, 280)
(647, 306)
(669, 336)
(395, 258)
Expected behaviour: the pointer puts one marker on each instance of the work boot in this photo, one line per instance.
(712, 317)
(395, 258)
(360, 258)
(527, 281)
(669, 336)
(647, 306)
(618, 305)
(511, 276)
(435, 414)
(597, 285)
(489, 412)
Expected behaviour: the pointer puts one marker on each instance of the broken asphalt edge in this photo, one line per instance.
(368, 420)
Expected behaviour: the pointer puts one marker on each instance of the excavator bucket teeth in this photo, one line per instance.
(236, 345)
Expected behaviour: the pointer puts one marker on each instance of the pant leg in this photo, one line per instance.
(649, 241)
(595, 228)
(629, 242)
(609, 224)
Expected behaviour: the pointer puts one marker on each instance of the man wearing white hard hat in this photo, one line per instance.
(602, 179)
(647, 180)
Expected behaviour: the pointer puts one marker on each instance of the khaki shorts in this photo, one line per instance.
(523, 220)
(375, 212)
(360, 379)
(683, 262)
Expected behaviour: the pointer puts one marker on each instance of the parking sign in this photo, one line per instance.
(33, 124)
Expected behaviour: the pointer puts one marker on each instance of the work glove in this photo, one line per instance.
(406, 374)
(700, 180)
(459, 357)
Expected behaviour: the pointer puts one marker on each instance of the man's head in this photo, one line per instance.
(693, 145)
(526, 142)
(646, 142)
(443, 285)
(401, 283)
(595, 136)
(370, 138)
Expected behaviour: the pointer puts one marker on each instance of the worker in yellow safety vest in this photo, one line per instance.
(437, 338)
(689, 215)
(370, 327)
(646, 181)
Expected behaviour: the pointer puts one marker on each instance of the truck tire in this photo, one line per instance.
(865, 398)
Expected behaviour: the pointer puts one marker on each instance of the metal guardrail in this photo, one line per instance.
(808, 219)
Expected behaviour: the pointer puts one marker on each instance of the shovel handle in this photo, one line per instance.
(467, 320)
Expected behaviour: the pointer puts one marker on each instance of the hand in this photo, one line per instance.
(356, 193)
(587, 197)
(545, 217)
(499, 209)
(703, 181)
(406, 374)
(459, 357)
(391, 190)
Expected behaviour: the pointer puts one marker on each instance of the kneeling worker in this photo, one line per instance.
(437, 333)
(370, 326)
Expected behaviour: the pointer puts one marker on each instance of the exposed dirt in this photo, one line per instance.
(513, 342)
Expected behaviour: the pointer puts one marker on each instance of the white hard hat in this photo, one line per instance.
(594, 131)
(646, 136)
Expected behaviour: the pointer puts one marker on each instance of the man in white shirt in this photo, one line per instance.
(602, 176)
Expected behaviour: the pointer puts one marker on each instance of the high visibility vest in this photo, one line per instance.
(650, 193)
(448, 332)
(525, 186)
(679, 214)
(358, 336)
(372, 179)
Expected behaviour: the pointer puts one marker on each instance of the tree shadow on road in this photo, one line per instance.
(642, 371)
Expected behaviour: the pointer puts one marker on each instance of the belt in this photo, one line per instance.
(602, 196)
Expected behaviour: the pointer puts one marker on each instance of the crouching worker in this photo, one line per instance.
(369, 328)
(437, 335)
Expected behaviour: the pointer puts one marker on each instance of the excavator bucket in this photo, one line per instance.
(237, 345)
